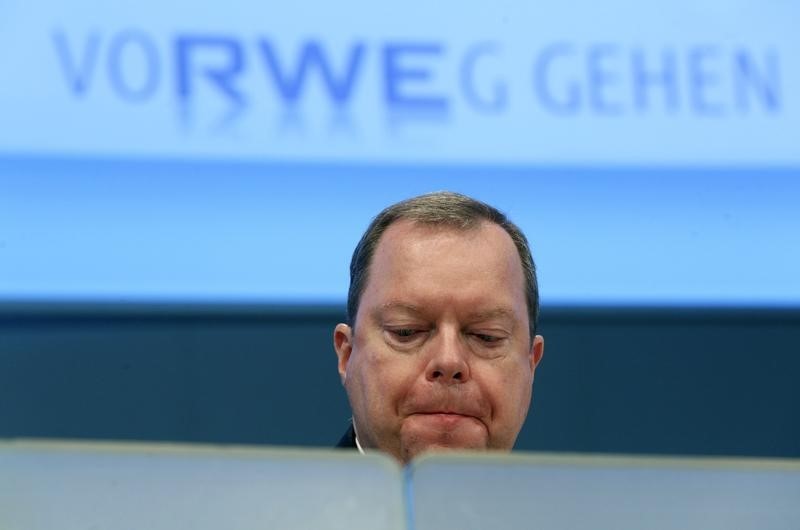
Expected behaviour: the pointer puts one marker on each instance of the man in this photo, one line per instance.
(441, 346)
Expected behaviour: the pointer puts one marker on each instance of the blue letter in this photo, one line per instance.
(663, 78)
(77, 75)
(150, 65)
(222, 76)
(397, 79)
(701, 79)
(291, 85)
(766, 85)
(541, 76)
(600, 78)
(499, 98)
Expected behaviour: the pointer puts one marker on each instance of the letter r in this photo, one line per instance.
(222, 74)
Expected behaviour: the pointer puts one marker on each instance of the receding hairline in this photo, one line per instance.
(436, 226)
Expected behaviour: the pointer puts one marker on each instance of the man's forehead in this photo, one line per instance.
(408, 241)
(407, 276)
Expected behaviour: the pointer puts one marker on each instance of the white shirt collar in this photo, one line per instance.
(358, 445)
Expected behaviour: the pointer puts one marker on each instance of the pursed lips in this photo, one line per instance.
(448, 409)
(446, 420)
(446, 413)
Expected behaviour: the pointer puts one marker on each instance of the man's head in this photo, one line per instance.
(440, 350)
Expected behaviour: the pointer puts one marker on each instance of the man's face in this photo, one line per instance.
(441, 355)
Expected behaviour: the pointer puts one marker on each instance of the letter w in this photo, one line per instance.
(290, 85)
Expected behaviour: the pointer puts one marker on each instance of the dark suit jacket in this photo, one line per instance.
(348, 441)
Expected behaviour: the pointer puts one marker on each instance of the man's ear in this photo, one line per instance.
(537, 351)
(343, 344)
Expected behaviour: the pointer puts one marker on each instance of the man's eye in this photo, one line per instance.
(404, 336)
(487, 339)
(404, 333)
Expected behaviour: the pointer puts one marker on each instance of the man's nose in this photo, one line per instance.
(448, 362)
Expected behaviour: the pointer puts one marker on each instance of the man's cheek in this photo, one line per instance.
(357, 387)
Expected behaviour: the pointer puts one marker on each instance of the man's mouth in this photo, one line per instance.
(445, 418)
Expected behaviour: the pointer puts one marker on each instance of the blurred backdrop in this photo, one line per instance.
(181, 188)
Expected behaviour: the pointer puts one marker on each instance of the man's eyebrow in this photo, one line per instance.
(397, 305)
(488, 314)
(497, 312)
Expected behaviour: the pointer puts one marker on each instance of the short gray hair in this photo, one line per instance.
(447, 209)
